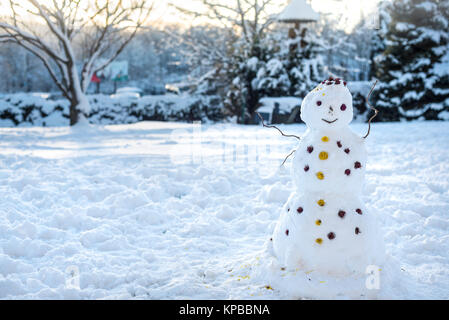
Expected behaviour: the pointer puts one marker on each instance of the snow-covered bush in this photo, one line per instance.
(25, 110)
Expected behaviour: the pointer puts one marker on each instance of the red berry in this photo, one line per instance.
(344, 83)
(359, 211)
(339, 144)
(331, 235)
(357, 165)
(357, 231)
(309, 149)
(337, 82)
(300, 210)
(318, 103)
(341, 214)
(347, 150)
(343, 107)
(306, 168)
(286, 232)
(331, 78)
(347, 172)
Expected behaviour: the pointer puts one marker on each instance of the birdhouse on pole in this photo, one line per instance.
(297, 12)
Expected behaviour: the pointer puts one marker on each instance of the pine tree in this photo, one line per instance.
(295, 67)
(273, 79)
(442, 71)
(244, 63)
(415, 40)
(303, 63)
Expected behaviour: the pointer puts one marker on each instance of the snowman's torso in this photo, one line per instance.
(330, 161)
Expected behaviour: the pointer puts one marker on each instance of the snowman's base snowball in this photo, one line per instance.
(312, 234)
(308, 284)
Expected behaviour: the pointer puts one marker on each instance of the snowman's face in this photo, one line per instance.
(327, 107)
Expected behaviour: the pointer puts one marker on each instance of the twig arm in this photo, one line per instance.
(372, 108)
(271, 126)
(286, 158)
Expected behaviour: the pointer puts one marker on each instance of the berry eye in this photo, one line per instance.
(343, 107)
(318, 103)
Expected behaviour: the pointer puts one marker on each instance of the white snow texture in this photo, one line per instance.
(125, 212)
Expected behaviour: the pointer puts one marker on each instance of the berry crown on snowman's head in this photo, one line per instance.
(328, 106)
(331, 81)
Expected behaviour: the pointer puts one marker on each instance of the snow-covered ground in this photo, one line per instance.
(163, 211)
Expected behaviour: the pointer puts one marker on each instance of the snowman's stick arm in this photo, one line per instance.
(372, 108)
(271, 126)
(287, 157)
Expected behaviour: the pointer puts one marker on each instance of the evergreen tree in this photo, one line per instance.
(415, 41)
(296, 66)
(244, 63)
(277, 66)
(442, 71)
(273, 79)
(303, 63)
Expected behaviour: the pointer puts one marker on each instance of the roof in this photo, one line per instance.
(298, 11)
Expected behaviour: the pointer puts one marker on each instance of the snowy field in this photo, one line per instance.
(173, 211)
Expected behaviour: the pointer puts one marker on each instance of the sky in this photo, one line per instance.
(349, 9)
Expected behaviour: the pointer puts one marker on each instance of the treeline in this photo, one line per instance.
(408, 54)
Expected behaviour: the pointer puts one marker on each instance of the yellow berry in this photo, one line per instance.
(319, 241)
(323, 155)
(321, 202)
(320, 175)
(325, 139)
(318, 222)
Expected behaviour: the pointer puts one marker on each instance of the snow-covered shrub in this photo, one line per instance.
(25, 110)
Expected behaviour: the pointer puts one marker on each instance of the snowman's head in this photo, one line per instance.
(328, 106)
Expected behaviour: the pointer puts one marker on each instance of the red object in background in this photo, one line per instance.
(95, 79)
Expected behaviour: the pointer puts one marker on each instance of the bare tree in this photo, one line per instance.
(246, 23)
(249, 18)
(107, 25)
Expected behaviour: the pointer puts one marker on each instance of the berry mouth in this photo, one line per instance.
(329, 121)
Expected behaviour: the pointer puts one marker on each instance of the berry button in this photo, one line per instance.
(323, 155)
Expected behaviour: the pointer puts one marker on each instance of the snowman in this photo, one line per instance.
(324, 226)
